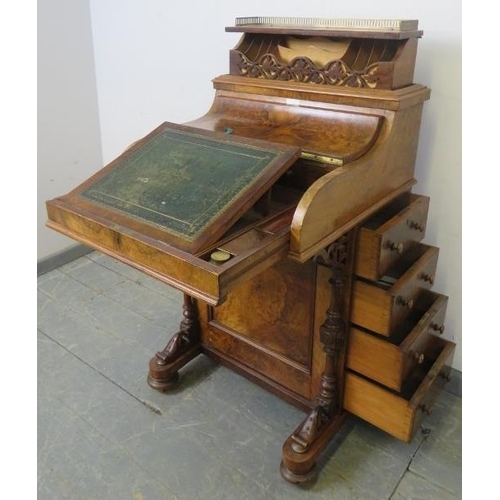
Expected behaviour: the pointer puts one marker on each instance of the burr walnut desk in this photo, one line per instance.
(286, 216)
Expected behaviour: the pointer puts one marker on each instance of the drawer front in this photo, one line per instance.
(419, 343)
(391, 363)
(375, 358)
(383, 240)
(396, 414)
(382, 307)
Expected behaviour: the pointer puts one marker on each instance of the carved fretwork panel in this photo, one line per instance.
(302, 69)
(336, 255)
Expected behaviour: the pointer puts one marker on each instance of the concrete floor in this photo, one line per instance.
(104, 434)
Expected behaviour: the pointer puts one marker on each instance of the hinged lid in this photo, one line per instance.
(184, 186)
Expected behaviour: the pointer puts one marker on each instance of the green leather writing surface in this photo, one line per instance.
(181, 182)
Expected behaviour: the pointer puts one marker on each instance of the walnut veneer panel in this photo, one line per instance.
(275, 309)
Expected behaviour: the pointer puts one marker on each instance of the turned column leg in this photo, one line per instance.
(302, 449)
(182, 348)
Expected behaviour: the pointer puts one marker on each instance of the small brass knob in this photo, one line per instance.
(219, 257)
(427, 277)
(419, 358)
(395, 246)
(426, 409)
(404, 302)
(416, 225)
(437, 328)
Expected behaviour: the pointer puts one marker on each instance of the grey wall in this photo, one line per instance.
(69, 142)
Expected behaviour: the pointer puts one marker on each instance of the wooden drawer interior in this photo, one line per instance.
(390, 233)
(383, 306)
(400, 414)
(391, 361)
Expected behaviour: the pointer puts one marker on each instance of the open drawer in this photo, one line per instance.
(382, 306)
(198, 276)
(400, 414)
(389, 234)
(199, 210)
(391, 362)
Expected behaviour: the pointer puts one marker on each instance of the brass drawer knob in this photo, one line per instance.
(416, 225)
(437, 328)
(419, 357)
(428, 278)
(398, 247)
(408, 303)
(426, 409)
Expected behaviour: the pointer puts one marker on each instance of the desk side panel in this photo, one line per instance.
(344, 197)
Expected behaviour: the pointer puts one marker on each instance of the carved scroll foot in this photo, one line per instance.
(183, 347)
(162, 381)
(301, 456)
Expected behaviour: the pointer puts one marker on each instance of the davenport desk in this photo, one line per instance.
(286, 217)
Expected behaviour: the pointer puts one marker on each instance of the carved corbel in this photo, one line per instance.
(183, 346)
(302, 448)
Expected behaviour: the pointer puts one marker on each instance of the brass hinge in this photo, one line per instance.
(322, 158)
